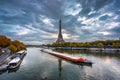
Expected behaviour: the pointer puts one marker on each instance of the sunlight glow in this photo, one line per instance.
(22, 30)
(65, 36)
(107, 60)
(104, 33)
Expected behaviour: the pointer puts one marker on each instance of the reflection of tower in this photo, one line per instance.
(60, 68)
(60, 38)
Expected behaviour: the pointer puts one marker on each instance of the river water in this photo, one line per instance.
(42, 66)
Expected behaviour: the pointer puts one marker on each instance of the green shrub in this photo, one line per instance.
(12, 48)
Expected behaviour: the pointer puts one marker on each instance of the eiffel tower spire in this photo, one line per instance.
(60, 38)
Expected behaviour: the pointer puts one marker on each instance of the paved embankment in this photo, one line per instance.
(4, 55)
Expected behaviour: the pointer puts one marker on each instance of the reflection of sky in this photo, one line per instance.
(101, 67)
(113, 65)
(104, 68)
(38, 65)
(36, 21)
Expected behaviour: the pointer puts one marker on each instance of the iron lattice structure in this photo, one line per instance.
(60, 37)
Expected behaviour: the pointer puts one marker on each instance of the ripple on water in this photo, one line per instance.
(41, 66)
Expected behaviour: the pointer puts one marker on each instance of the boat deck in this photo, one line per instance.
(67, 57)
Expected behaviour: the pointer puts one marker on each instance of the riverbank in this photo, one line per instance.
(88, 49)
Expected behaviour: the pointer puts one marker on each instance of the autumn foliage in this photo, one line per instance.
(99, 44)
(12, 45)
(4, 41)
(19, 45)
(12, 48)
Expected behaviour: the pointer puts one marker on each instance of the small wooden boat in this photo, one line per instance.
(68, 57)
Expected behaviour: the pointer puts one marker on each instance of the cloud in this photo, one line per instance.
(38, 20)
(104, 33)
(47, 21)
(72, 8)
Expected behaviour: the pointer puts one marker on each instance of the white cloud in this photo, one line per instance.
(90, 22)
(81, 18)
(37, 30)
(47, 20)
(33, 42)
(72, 9)
(112, 25)
(23, 32)
(91, 12)
(55, 36)
(104, 33)
(110, 14)
(115, 17)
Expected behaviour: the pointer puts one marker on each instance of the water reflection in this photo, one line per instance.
(13, 70)
(60, 68)
(42, 66)
(105, 65)
(9, 71)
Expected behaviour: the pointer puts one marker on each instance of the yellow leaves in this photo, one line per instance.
(12, 45)
(100, 45)
(12, 48)
(4, 41)
(116, 45)
(19, 45)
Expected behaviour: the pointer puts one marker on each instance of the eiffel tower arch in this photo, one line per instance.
(60, 37)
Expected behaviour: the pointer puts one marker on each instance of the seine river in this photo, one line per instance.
(42, 66)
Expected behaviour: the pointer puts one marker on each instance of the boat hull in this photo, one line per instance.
(13, 67)
(18, 64)
(77, 61)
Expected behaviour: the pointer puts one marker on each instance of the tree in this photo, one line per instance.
(100, 45)
(114, 45)
(12, 48)
(12, 45)
(15, 43)
(19, 45)
(87, 44)
(4, 41)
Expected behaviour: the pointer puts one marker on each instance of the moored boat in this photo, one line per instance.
(22, 52)
(17, 59)
(14, 63)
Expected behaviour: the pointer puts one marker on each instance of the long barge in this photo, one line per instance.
(68, 57)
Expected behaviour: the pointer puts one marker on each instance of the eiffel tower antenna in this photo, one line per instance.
(60, 37)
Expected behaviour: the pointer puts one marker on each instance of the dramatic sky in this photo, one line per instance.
(37, 21)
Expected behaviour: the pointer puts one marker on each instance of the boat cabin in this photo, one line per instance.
(21, 52)
(14, 62)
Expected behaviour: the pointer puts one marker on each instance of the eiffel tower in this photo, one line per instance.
(60, 38)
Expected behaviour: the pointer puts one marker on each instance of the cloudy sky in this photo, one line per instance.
(37, 21)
